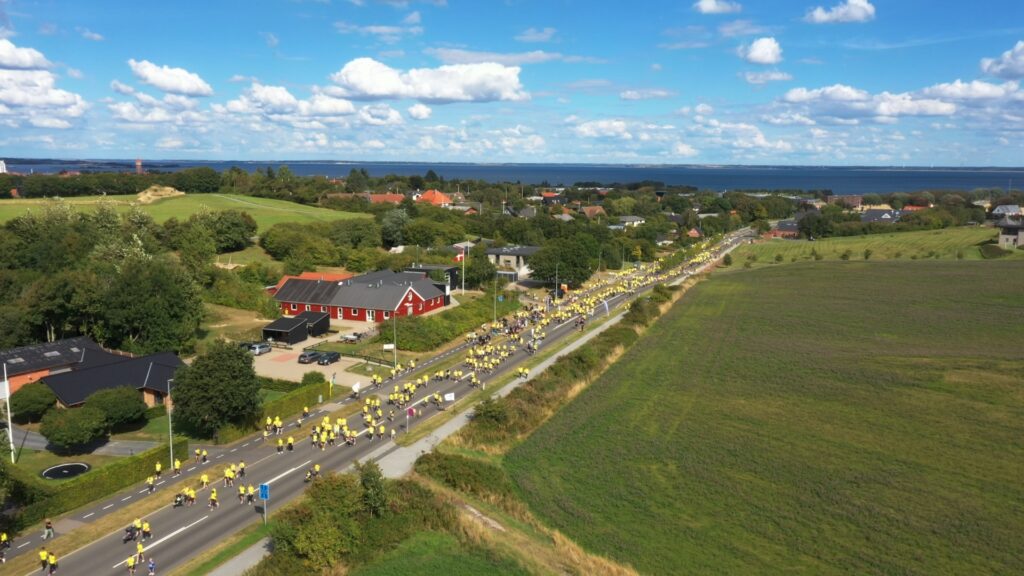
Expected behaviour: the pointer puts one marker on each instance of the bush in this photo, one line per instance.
(47, 500)
(291, 403)
(277, 384)
(491, 411)
(867, 253)
(313, 377)
(989, 251)
(779, 258)
(71, 428)
(846, 255)
(464, 474)
(727, 261)
(31, 401)
(121, 405)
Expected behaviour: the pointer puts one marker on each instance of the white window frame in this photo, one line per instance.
(295, 307)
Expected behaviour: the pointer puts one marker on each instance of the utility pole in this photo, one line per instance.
(170, 430)
(557, 290)
(495, 298)
(394, 339)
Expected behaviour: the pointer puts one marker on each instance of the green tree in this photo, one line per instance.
(479, 270)
(72, 428)
(321, 534)
(220, 387)
(568, 256)
(151, 306)
(31, 401)
(121, 405)
(375, 493)
(393, 227)
(357, 181)
(491, 410)
(232, 230)
(727, 260)
(197, 249)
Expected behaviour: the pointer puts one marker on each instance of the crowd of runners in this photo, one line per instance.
(488, 350)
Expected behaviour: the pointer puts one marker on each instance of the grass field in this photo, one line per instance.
(35, 461)
(945, 244)
(432, 553)
(818, 418)
(267, 212)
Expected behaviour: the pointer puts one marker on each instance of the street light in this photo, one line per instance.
(170, 430)
(495, 320)
(557, 264)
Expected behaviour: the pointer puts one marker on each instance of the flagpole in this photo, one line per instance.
(10, 424)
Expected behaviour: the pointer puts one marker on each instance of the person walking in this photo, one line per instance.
(158, 467)
(48, 529)
(130, 563)
(198, 452)
(139, 549)
(43, 556)
(241, 493)
(177, 467)
(204, 481)
(152, 567)
(213, 498)
(150, 485)
(250, 495)
(146, 531)
(51, 562)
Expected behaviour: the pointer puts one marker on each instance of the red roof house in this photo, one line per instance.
(321, 276)
(436, 198)
(385, 198)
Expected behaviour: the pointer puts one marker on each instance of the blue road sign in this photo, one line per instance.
(264, 491)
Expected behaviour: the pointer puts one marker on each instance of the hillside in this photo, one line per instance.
(267, 212)
(816, 418)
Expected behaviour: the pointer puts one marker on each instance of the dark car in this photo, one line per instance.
(328, 358)
(309, 356)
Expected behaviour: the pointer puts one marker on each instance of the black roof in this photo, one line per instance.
(513, 251)
(311, 316)
(302, 291)
(420, 267)
(287, 323)
(1008, 224)
(878, 215)
(80, 350)
(150, 372)
(788, 226)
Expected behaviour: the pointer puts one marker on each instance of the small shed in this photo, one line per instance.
(295, 329)
(286, 330)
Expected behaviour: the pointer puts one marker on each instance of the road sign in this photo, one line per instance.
(410, 412)
(264, 491)
(449, 397)
(355, 387)
(389, 346)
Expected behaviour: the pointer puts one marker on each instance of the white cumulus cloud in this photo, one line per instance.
(366, 78)
(973, 90)
(604, 129)
(461, 56)
(844, 104)
(1009, 65)
(379, 115)
(15, 58)
(168, 79)
(716, 6)
(847, 11)
(683, 149)
(762, 51)
(419, 111)
(90, 35)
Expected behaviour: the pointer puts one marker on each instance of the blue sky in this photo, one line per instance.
(870, 82)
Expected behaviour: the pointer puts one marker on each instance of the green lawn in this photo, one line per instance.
(35, 461)
(945, 244)
(265, 211)
(250, 255)
(433, 553)
(816, 418)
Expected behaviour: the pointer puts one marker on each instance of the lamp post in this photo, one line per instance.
(557, 264)
(394, 338)
(495, 320)
(170, 429)
(10, 425)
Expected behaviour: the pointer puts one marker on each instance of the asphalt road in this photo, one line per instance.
(179, 534)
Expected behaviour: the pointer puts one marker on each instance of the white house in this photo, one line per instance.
(512, 261)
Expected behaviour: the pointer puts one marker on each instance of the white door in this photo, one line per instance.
(369, 316)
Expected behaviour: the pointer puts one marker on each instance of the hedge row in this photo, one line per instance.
(277, 384)
(527, 406)
(468, 475)
(51, 500)
(291, 403)
(425, 333)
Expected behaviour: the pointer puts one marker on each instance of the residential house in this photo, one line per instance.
(1011, 233)
(693, 233)
(150, 375)
(1006, 210)
(563, 217)
(527, 212)
(465, 209)
(435, 198)
(631, 221)
(385, 198)
(30, 363)
(847, 200)
(784, 229)
(913, 208)
(513, 262)
(592, 212)
(372, 297)
(881, 216)
(552, 198)
(323, 276)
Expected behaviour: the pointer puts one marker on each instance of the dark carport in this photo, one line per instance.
(286, 330)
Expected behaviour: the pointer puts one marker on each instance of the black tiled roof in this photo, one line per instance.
(513, 251)
(80, 350)
(150, 372)
(303, 291)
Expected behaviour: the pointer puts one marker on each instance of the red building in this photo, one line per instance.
(322, 276)
(372, 297)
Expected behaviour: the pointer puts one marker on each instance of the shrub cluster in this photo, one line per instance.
(469, 475)
(291, 403)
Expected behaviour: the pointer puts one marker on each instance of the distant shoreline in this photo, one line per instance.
(838, 179)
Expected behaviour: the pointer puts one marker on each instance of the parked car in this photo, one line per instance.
(328, 358)
(309, 356)
(259, 348)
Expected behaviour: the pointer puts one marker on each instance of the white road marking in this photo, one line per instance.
(285, 473)
(190, 469)
(108, 506)
(244, 445)
(87, 515)
(234, 449)
(142, 491)
(220, 455)
(23, 545)
(160, 482)
(152, 545)
(126, 498)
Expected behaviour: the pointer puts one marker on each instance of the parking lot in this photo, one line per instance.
(283, 363)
